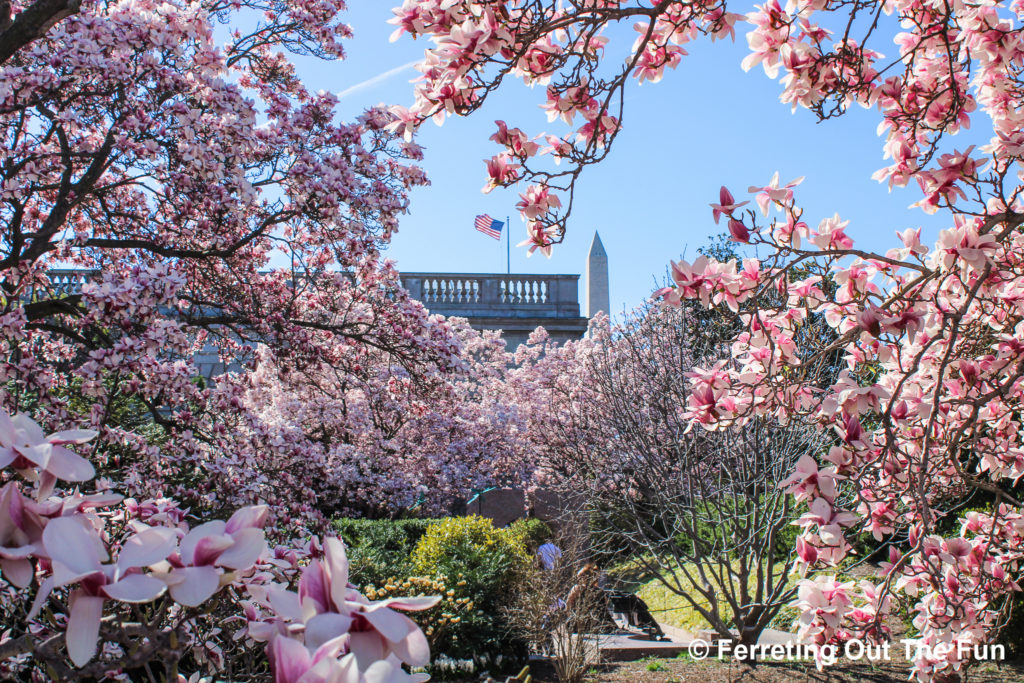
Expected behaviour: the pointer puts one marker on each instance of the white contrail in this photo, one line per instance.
(370, 82)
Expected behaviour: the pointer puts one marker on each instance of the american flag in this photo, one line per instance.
(488, 226)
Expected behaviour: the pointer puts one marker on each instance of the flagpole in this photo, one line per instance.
(508, 249)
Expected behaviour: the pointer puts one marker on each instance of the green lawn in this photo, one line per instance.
(670, 608)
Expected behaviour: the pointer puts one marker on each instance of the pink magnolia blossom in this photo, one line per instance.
(77, 555)
(36, 456)
(327, 612)
(773, 194)
(726, 204)
(21, 535)
(197, 571)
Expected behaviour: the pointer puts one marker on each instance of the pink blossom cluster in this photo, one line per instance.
(349, 431)
(102, 555)
(898, 434)
(328, 631)
(539, 43)
(57, 540)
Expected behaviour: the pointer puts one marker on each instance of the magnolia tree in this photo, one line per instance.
(358, 434)
(98, 586)
(928, 410)
(206, 201)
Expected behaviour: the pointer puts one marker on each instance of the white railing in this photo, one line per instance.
(496, 295)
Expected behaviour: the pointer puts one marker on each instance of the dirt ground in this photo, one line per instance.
(685, 670)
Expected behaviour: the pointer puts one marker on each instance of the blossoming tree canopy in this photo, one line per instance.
(211, 202)
(926, 417)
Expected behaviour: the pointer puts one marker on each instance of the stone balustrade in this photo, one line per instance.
(474, 295)
(67, 281)
(463, 294)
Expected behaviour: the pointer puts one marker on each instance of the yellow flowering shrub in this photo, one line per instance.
(486, 564)
(440, 619)
(468, 537)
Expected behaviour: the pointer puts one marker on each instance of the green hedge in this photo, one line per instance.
(380, 549)
(531, 532)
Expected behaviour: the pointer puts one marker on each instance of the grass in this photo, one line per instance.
(668, 607)
(655, 665)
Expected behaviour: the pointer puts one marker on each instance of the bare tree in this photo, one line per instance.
(559, 609)
(701, 511)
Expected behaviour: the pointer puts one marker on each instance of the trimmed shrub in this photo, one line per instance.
(473, 540)
(482, 565)
(380, 549)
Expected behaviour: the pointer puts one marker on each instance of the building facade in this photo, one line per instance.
(517, 304)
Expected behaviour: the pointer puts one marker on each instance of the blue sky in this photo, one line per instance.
(706, 124)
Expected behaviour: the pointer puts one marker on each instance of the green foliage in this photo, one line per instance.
(482, 564)
(460, 543)
(655, 665)
(380, 549)
(531, 532)
(785, 541)
(713, 522)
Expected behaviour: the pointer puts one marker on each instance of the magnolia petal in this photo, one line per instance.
(367, 646)
(147, 548)
(260, 631)
(337, 563)
(326, 627)
(210, 548)
(188, 544)
(17, 571)
(72, 436)
(253, 516)
(248, 547)
(290, 659)
(135, 588)
(409, 603)
(324, 671)
(391, 624)
(285, 604)
(70, 466)
(47, 482)
(330, 649)
(19, 552)
(414, 649)
(193, 586)
(388, 671)
(41, 595)
(313, 586)
(7, 429)
(83, 627)
(348, 670)
(75, 551)
(33, 432)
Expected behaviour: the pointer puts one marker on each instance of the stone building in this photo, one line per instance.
(518, 304)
